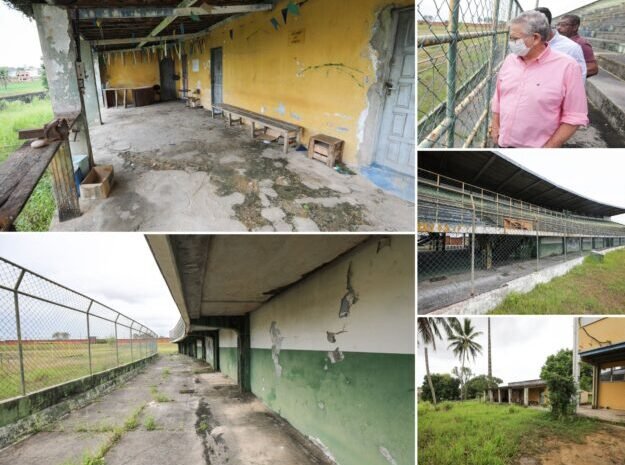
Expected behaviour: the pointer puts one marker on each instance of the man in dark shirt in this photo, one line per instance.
(568, 26)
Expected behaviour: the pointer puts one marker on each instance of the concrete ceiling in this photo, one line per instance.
(214, 275)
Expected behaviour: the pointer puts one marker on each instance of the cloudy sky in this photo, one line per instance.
(25, 51)
(116, 269)
(520, 346)
(598, 176)
(557, 7)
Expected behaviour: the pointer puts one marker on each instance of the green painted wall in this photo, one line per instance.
(355, 407)
(228, 362)
(551, 246)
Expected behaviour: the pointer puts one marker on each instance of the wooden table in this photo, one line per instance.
(139, 94)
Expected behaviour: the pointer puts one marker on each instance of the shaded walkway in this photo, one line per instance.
(171, 413)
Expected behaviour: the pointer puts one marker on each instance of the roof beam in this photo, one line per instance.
(167, 21)
(184, 9)
(510, 178)
(136, 40)
(490, 161)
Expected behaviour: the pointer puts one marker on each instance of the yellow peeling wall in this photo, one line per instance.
(128, 73)
(314, 71)
(607, 331)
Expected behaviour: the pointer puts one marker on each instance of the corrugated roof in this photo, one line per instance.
(496, 172)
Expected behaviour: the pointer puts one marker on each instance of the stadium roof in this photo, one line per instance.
(498, 173)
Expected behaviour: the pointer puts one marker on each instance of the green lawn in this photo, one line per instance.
(167, 348)
(50, 363)
(592, 287)
(19, 88)
(474, 433)
(14, 116)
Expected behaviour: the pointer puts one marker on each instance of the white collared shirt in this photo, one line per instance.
(563, 44)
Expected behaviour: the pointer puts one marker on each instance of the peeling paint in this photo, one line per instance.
(323, 448)
(336, 355)
(332, 336)
(281, 109)
(276, 345)
(384, 242)
(342, 129)
(295, 116)
(350, 297)
(387, 455)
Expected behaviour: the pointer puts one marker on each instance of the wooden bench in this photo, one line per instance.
(291, 133)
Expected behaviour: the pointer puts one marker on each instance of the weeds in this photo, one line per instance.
(158, 396)
(150, 424)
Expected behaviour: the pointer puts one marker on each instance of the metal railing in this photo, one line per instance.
(449, 205)
(50, 334)
(461, 45)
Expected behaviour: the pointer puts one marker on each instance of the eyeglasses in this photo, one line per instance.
(565, 24)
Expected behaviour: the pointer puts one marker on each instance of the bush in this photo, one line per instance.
(558, 374)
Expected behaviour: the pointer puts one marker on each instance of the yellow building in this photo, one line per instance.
(601, 343)
(341, 68)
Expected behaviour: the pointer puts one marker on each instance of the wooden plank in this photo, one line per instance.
(167, 21)
(19, 175)
(65, 192)
(30, 133)
(157, 12)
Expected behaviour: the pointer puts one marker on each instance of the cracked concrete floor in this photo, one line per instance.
(177, 169)
(205, 420)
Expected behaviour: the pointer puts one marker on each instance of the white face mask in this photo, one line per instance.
(518, 47)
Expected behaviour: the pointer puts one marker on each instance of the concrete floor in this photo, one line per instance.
(177, 169)
(456, 287)
(206, 421)
(612, 416)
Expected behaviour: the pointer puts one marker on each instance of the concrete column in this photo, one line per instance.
(499, 396)
(526, 396)
(92, 104)
(576, 324)
(509, 396)
(60, 56)
(98, 79)
(595, 386)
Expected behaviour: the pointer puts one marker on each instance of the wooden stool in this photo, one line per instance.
(325, 148)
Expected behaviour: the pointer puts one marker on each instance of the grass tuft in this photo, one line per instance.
(149, 423)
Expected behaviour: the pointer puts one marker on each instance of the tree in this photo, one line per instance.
(463, 374)
(585, 376)
(490, 366)
(557, 372)
(44, 76)
(429, 332)
(464, 345)
(445, 386)
(60, 335)
(4, 76)
(477, 385)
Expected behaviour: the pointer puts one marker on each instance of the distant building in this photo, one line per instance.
(23, 76)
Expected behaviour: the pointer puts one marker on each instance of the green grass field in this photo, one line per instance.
(593, 287)
(14, 116)
(19, 88)
(50, 363)
(167, 348)
(474, 433)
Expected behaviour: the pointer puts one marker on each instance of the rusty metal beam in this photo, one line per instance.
(181, 10)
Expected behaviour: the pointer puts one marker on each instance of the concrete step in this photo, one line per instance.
(603, 44)
(612, 62)
(607, 93)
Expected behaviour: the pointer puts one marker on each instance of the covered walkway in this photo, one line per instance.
(173, 412)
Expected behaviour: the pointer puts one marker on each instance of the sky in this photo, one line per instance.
(23, 52)
(520, 346)
(598, 176)
(557, 7)
(116, 269)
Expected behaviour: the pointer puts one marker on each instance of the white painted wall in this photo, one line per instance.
(227, 338)
(382, 321)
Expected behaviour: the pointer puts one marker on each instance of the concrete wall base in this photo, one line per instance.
(485, 302)
(29, 414)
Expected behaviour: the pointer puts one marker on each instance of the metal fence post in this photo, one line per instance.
(491, 65)
(473, 249)
(18, 329)
(89, 338)
(452, 54)
(132, 357)
(537, 246)
(116, 340)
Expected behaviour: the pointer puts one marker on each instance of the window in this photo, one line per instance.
(616, 373)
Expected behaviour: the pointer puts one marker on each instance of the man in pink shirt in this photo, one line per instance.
(540, 99)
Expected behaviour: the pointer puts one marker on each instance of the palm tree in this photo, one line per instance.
(490, 367)
(464, 345)
(429, 332)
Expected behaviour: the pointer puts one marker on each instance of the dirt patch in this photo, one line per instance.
(604, 447)
(341, 217)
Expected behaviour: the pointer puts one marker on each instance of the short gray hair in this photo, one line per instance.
(534, 22)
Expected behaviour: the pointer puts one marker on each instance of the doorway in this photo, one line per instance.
(217, 95)
(168, 83)
(396, 144)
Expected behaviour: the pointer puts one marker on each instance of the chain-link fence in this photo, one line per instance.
(50, 334)
(471, 240)
(461, 45)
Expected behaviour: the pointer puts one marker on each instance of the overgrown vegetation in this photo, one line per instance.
(477, 433)
(158, 396)
(18, 88)
(15, 116)
(592, 287)
(149, 423)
